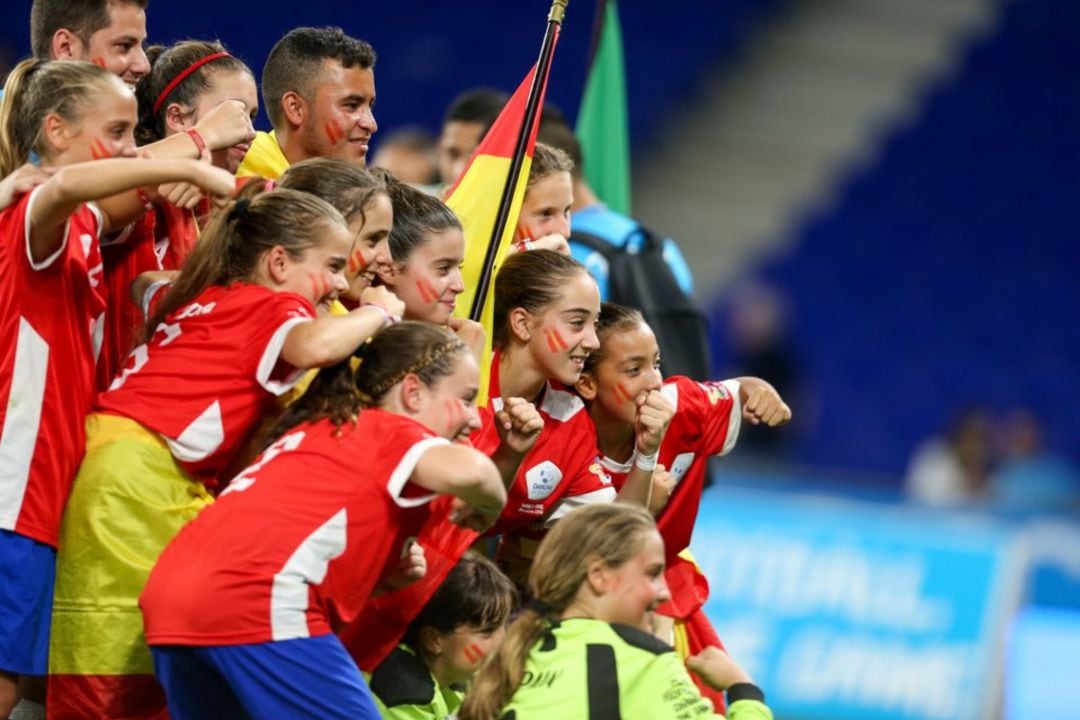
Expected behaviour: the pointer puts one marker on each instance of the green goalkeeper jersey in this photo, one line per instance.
(586, 669)
(405, 689)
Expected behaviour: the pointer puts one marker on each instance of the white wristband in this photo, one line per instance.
(645, 462)
(388, 319)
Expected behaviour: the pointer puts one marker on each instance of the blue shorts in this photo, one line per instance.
(301, 678)
(27, 577)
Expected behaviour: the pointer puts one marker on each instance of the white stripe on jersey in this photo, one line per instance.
(735, 417)
(21, 421)
(201, 438)
(404, 471)
(570, 502)
(306, 567)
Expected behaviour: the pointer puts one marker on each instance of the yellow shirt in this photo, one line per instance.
(264, 158)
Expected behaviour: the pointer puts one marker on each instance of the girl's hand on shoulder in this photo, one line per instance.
(519, 424)
(654, 413)
(762, 404)
(383, 297)
(20, 182)
(555, 242)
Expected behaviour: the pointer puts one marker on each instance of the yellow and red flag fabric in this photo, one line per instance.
(475, 197)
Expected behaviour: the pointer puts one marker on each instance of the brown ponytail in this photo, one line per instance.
(230, 247)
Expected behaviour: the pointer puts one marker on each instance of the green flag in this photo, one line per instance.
(602, 126)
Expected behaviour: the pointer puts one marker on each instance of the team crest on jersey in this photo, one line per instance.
(597, 470)
(542, 479)
(715, 391)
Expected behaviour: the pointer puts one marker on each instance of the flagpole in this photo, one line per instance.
(532, 108)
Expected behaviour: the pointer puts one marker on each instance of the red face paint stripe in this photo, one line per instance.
(551, 342)
(621, 390)
(469, 655)
(98, 151)
(559, 339)
(357, 261)
(480, 654)
(427, 292)
(313, 280)
(333, 132)
(99, 61)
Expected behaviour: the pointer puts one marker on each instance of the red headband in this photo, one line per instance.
(183, 76)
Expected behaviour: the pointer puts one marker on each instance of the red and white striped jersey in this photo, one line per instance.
(297, 542)
(49, 340)
(210, 373)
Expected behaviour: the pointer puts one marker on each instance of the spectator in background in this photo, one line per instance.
(954, 469)
(409, 154)
(760, 347)
(589, 214)
(1030, 478)
(467, 121)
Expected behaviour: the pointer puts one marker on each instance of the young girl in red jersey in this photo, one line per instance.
(50, 282)
(546, 307)
(427, 246)
(363, 199)
(241, 607)
(233, 333)
(198, 91)
(706, 420)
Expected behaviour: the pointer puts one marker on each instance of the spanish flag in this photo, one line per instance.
(475, 196)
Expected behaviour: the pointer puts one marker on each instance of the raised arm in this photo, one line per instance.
(327, 341)
(75, 184)
(467, 474)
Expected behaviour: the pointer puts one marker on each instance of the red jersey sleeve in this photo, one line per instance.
(282, 313)
(712, 406)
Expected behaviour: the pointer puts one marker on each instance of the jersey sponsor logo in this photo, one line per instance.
(541, 480)
(680, 465)
(715, 391)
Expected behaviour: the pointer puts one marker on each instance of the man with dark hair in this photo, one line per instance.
(409, 154)
(318, 89)
(109, 33)
(467, 121)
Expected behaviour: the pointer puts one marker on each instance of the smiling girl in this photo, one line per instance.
(578, 651)
(241, 608)
(232, 334)
(705, 422)
(204, 100)
(546, 307)
(67, 114)
(427, 245)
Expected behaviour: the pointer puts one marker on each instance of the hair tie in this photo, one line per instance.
(540, 607)
(184, 75)
(240, 209)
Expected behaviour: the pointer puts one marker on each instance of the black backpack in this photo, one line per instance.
(644, 281)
